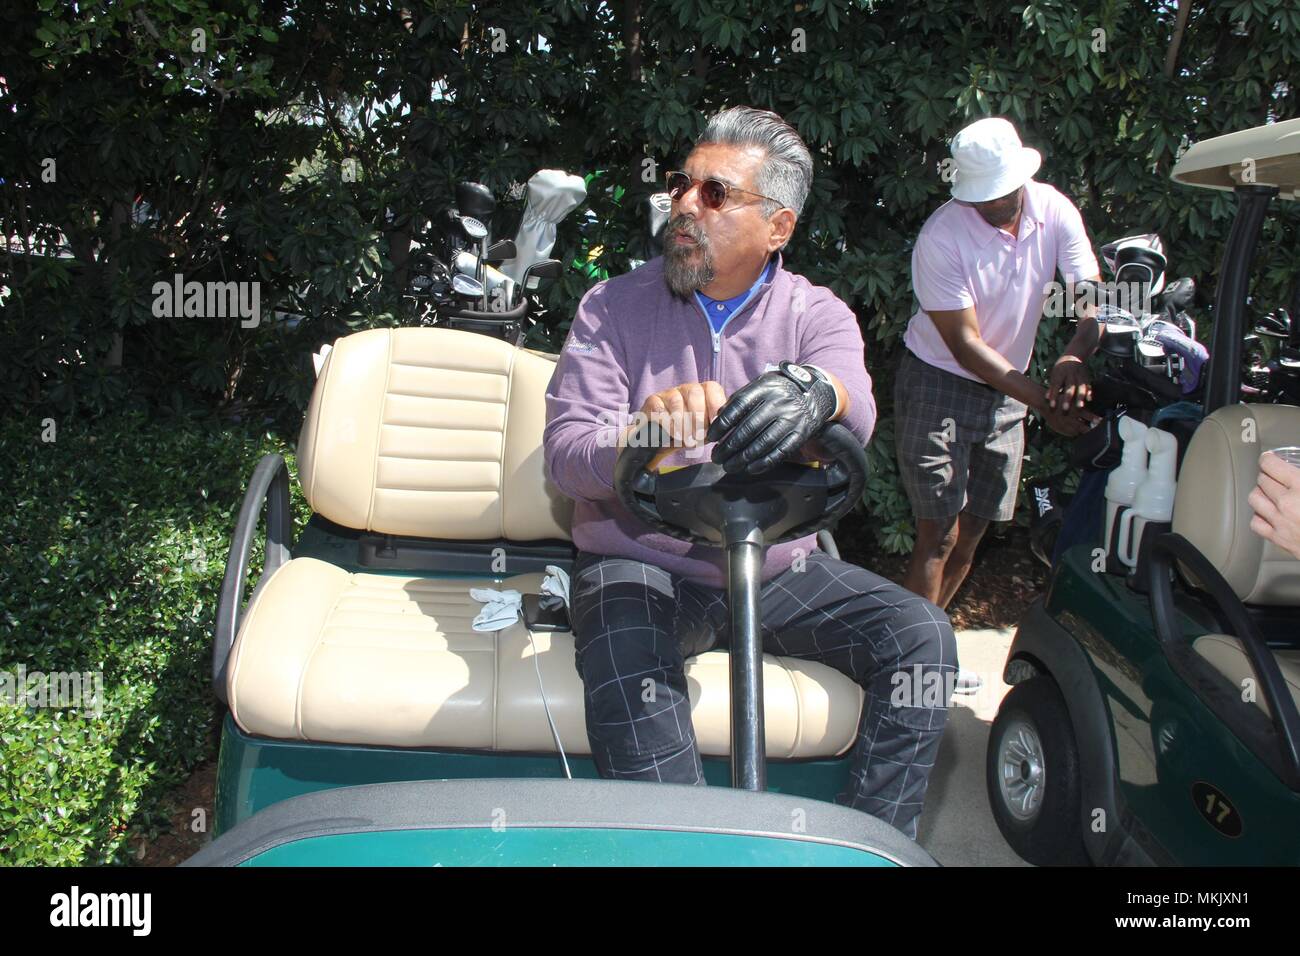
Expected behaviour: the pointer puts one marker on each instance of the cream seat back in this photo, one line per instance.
(1211, 510)
(433, 433)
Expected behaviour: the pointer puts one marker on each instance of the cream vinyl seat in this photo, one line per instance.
(436, 433)
(1211, 511)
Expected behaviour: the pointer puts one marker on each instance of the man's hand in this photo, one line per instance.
(769, 419)
(684, 411)
(1276, 500)
(1070, 384)
(1070, 422)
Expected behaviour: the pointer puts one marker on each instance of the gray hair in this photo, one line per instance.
(786, 174)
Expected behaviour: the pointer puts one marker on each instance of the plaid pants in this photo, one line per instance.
(635, 622)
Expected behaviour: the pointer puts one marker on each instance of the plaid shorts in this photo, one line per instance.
(960, 443)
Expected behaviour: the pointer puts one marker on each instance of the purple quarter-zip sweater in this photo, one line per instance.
(631, 337)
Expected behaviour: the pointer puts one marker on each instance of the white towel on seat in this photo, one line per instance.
(503, 608)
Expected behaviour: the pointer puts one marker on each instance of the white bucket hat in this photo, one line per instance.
(990, 161)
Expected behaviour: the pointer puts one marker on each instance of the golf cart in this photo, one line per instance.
(1153, 714)
(368, 723)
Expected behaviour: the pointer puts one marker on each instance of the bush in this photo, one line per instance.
(306, 147)
(115, 544)
(309, 143)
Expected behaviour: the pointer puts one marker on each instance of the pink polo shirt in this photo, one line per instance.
(960, 261)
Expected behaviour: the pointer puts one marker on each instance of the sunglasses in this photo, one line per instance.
(713, 192)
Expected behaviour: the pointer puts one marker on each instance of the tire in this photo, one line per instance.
(1037, 810)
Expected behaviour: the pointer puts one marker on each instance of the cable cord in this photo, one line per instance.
(555, 734)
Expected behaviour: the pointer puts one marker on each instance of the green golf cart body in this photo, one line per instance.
(368, 722)
(1154, 720)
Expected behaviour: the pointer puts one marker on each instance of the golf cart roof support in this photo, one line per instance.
(1224, 378)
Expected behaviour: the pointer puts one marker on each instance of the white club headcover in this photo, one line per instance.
(552, 195)
(318, 358)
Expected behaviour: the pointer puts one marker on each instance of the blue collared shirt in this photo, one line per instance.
(717, 311)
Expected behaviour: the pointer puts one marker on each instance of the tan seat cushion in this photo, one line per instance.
(1229, 659)
(328, 655)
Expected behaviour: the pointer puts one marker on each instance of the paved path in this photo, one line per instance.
(957, 825)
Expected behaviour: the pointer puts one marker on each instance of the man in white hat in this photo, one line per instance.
(981, 270)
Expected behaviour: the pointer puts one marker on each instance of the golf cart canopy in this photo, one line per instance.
(1266, 155)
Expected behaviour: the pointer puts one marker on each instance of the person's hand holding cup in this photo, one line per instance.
(1276, 498)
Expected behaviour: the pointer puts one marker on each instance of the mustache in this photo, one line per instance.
(686, 227)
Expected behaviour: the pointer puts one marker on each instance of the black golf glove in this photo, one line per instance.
(769, 419)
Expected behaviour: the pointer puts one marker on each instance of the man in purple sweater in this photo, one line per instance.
(716, 340)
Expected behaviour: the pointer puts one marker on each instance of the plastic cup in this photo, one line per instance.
(1288, 453)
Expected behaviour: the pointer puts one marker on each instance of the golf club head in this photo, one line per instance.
(473, 228)
(1275, 325)
(1150, 355)
(1121, 330)
(540, 275)
(496, 284)
(500, 251)
(466, 285)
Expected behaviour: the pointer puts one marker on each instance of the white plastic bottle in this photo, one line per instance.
(1154, 501)
(1123, 483)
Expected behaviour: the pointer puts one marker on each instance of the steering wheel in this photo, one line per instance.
(703, 504)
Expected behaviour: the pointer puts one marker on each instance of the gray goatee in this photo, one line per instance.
(686, 268)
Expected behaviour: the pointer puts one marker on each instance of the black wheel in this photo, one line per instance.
(1032, 771)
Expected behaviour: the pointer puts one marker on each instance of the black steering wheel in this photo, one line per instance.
(744, 514)
(703, 504)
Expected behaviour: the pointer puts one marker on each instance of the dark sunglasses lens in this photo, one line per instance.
(713, 193)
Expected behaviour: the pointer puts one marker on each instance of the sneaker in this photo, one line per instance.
(968, 682)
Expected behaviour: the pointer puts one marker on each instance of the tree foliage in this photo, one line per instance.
(223, 154)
